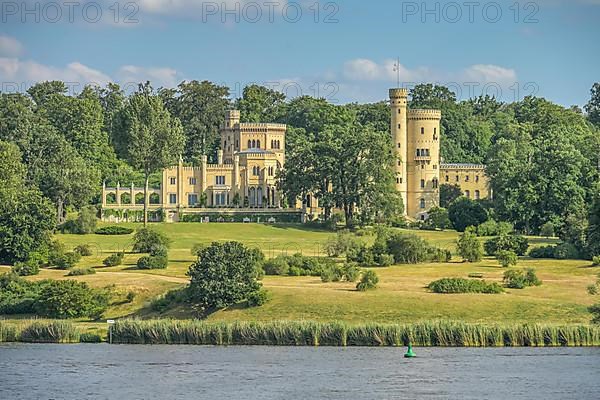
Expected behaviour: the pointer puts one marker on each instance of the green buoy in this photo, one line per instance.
(409, 353)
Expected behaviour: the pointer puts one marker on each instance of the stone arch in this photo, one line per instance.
(126, 198)
(259, 196)
(154, 198)
(111, 198)
(258, 144)
(139, 198)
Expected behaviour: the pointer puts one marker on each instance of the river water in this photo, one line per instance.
(123, 372)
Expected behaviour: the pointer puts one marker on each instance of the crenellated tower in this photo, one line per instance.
(398, 104)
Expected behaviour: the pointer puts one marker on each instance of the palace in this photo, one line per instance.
(243, 181)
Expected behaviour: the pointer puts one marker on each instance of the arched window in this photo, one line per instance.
(422, 203)
(272, 143)
(258, 144)
(467, 194)
(253, 144)
(435, 183)
(249, 143)
(418, 152)
(477, 195)
(422, 131)
(422, 183)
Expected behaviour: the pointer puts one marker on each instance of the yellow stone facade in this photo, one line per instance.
(252, 153)
(419, 171)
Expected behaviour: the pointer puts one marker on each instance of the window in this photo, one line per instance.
(192, 181)
(399, 145)
(457, 178)
(400, 179)
(434, 131)
(399, 111)
(476, 178)
(435, 183)
(399, 163)
(422, 183)
(434, 166)
(447, 178)
(192, 199)
(220, 180)
(477, 195)
(172, 198)
(397, 180)
(467, 178)
(422, 203)
(256, 170)
(399, 125)
(173, 180)
(220, 199)
(258, 144)
(418, 152)
(253, 144)
(249, 143)
(422, 131)
(237, 144)
(467, 194)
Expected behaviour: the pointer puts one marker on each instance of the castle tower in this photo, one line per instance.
(398, 99)
(232, 117)
(423, 162)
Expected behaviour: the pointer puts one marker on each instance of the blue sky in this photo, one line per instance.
(344, 53)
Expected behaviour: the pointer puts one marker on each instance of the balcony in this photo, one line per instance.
(422, 158)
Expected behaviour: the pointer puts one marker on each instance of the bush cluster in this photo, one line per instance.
(563, 251)
(516, 243)
(297, 265)
(368, 281)
(152, 262)
(113, 260)
(348, 272)
(147, 240)
(113, 230)
(85, 222)
(411, 249)
(520, 279)
(51, 298)
(258, 298)
(68, 260)
(78, 271)
(493, 228)
(84, 250)
(506, 258)
(469, 247)
(461, 285)
(29, 267)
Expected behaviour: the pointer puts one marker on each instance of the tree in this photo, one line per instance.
(41, 92)
(438, 218)
(465, 212)
(449, 193)
(368, 281)
(592, 108)
(593, 230)
(26, 217)
(70, 299)
(225, 274)
(147, 240)
(469, 247)
(547, 230)
(61, 174)
(200, 106)
(155, 138)
(506, 258)
(260, 104)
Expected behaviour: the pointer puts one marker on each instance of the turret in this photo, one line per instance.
(398, 101)
(232, 117)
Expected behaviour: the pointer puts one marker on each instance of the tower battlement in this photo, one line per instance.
(424, 114)
(398, 93)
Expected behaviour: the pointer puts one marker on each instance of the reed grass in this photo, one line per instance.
(56, 331)
(308, 333)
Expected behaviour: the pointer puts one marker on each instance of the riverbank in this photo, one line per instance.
(307, 333)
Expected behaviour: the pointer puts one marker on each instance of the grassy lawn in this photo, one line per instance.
(401, 296)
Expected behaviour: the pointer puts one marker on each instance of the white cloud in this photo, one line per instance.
(362, 69)
(15, 71)
(165, 77)
(10, 47)
(487, 73)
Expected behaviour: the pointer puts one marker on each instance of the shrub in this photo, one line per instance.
(464, 212)
(488, 228)
(519, 279)
(197, 249)
(70, 299)
(224, 274)
(146, 239)
(384, 260)
(469, 247)
(342, 243)
(438, 219)
(29, 267)
(159, 251)
(17, 295)
(68, 260)
(547, 230)
(360, 254)
(407, 249)
(85, 222)
(113, 230)
(258, 298)
(368, 281)
(152, 262)
(83, 250)
(348, 272)
(461, 285)
(81, 271)
(113, 260)
(56, 251)
(516, 243)
(542, 252)
(566, 251)
(596, 261)
(276, 266)
(506, 258)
